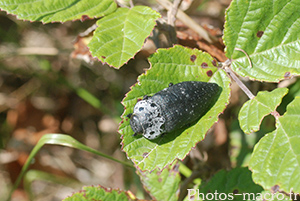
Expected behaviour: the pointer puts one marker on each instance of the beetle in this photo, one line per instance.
(173, 108)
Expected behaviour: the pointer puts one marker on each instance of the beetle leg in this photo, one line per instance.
(129, 115)
(170, 84)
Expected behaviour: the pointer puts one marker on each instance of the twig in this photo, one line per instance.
(172, 13)
(189, 22)
(89, 30)
(226, 66)
(131, 4)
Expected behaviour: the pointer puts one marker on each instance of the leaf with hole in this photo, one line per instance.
(254, 110)
(275, 159)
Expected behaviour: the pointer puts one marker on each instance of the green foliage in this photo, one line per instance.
(121, 35)
(58, 11)
(228, 184)
(101, 193)
(275, 159)
(172, 65)
(162, 185)
(269, 32)
(254, 110)
(237, 185)
(266, 31)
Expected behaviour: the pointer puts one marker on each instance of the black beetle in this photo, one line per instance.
(173, 108)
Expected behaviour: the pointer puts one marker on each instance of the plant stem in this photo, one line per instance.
(191, 176)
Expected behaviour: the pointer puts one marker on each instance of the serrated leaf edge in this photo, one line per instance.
(120, 66)
(128, 193)
(60, 21)
(260, 121)
(139, 171)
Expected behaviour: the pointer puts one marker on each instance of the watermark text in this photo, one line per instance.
(195, 194)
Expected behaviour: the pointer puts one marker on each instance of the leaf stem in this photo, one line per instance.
(249, 60)
(226, 66)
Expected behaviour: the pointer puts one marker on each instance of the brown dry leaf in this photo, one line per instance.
(188, 37)
(81, 50)
(212, 50)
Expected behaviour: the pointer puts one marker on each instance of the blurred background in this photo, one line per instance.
(49, 83)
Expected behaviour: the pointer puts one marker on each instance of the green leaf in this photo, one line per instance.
(100, 193)
(58, 11)
(254, 110)
(174, 65)
(121, 35)
(225, 184)
(269, 32)
(275, 159)
(242, 145)
(162, 185)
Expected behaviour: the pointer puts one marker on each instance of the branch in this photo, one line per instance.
(189, 22)
(173, 11)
